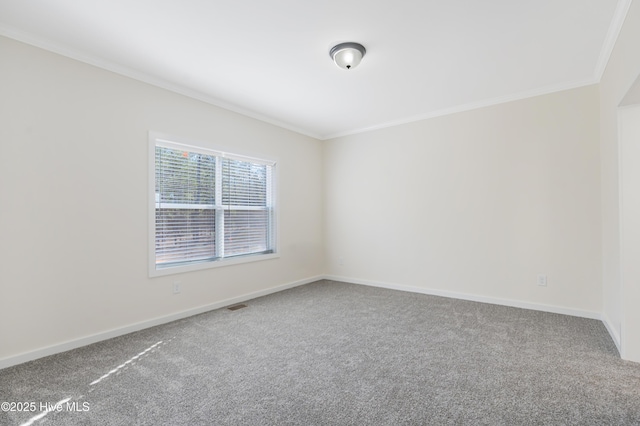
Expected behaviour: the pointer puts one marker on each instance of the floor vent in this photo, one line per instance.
(236, 307)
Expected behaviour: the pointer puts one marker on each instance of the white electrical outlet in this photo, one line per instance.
(542, 280)
(341, 261)
(177, 287)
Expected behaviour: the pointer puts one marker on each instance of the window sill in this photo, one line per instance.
(153, 272)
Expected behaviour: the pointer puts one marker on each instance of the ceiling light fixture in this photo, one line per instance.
(347, 55)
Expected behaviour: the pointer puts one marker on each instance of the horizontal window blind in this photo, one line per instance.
(184, 235)
(184, 177)
(247, 210)
(246, 232)
(244, 183)
(209, 206)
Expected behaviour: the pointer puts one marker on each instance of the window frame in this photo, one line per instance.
(207, 149)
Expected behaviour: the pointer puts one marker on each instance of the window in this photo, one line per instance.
(209, 207)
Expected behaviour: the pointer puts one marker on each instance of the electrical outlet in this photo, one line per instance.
(542, 280)
(177, 287)
(341, 261)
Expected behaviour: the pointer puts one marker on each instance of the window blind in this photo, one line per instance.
(247, 210)
(209, 207)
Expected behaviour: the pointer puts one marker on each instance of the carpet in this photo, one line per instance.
(331, 353)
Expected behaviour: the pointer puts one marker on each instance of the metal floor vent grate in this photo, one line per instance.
(236, 307)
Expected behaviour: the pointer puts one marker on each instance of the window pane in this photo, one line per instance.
(184, 177)
(245, 232)
(184, 235)
(244, 183)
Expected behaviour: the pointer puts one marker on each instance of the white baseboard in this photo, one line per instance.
(76, 343)
(109, 334)
(472, 297)
(613, 332)
(615, 335)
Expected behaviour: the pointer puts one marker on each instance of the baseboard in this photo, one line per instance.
(109, 334)
(76, 343)
(471, 297)
(615, 335)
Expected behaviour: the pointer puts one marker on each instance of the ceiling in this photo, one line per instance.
(269, 59)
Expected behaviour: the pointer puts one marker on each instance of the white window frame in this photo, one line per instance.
(203, 147)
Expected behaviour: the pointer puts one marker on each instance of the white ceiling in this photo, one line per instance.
(269, 59)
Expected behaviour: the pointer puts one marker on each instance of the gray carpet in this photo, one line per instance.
(330, 353)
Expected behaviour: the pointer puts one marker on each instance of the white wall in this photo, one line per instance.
(73, 197)
(630, 231)
(622, 70)
(476, 203)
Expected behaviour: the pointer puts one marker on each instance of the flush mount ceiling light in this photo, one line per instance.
(347, 55)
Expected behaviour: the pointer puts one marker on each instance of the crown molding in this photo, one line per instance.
(467, 107)
(59, 49)
(615, 27)
(620, 14)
